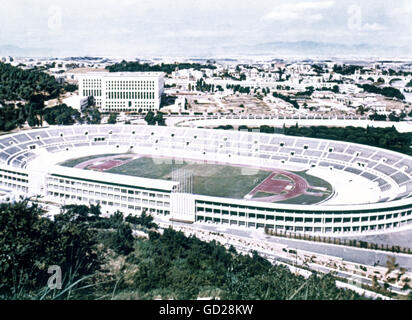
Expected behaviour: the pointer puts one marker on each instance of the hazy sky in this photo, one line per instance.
(125, 27)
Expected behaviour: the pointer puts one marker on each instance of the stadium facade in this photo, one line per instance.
(30, 167)
(123, 91)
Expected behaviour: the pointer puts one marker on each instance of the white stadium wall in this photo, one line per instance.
(29, 167)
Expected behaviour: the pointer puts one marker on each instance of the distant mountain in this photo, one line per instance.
(10, 50)
(320, 48)
(280, 49)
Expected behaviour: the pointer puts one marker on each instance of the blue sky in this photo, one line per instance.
(125, 27)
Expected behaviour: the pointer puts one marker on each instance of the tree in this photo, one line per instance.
(90, 101)
(70, 87)
(122, 241)
(361, 110)
(32, 243)
(61, 115)
(91, 115)
(393, 117)
(144, 220)
(112, 118)
(389, 92)
(136, 66)
(150, 118)
(31, 88)
(159, 119)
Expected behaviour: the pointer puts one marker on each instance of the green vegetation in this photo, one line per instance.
(227, 127)
(310, 90)
(61, 114)
(22, 97)
(146, 167)
(17, 84)
(375, 116)
(30, 243)
(202, 86)
(346, 69)
(388, 138)
(392, 72)
(305, 199)
(100, 259)
(315, 181)
(308, 198)
(73, 162)
(152, 119)
(112, 118)
(145, 220)
(335, 89)
(238, 88)
(91, 115)
(208, 178)
(167, 68)
(68, 87)
(287, 99)
(165, 263)
(307, 93)
(242, 76)
(389, 92)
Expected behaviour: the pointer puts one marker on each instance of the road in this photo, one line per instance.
(357, 255)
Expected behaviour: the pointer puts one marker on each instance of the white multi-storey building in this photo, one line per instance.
(123, 91)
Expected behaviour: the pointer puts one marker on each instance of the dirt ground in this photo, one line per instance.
(236, 104)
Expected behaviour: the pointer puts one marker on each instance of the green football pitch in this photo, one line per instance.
(208, 178)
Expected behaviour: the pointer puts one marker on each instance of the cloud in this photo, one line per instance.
(197, 33)
(373, 27)
(305, 10)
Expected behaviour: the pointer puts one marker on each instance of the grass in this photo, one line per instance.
(315, 181)
(147, 168)
(304, 199)
(209, 179)
(262, 194)
(74, 162)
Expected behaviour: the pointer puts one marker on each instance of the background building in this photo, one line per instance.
(123, 91)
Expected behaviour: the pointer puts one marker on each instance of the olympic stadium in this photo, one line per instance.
(233, 178)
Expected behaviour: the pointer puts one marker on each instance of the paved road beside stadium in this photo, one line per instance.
(357, 255)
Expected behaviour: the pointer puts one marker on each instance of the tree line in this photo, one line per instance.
(17, 84)
(386, 138)
(238, 88)
(23, 94)
(287, 99)
(389, 92)
(136, 66)
(152, 119)
(101, 258)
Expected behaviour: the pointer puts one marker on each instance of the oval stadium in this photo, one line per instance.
(235, 178)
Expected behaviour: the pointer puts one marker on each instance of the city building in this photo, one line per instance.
(123, 91)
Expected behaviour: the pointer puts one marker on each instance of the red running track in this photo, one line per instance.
(269, 185)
